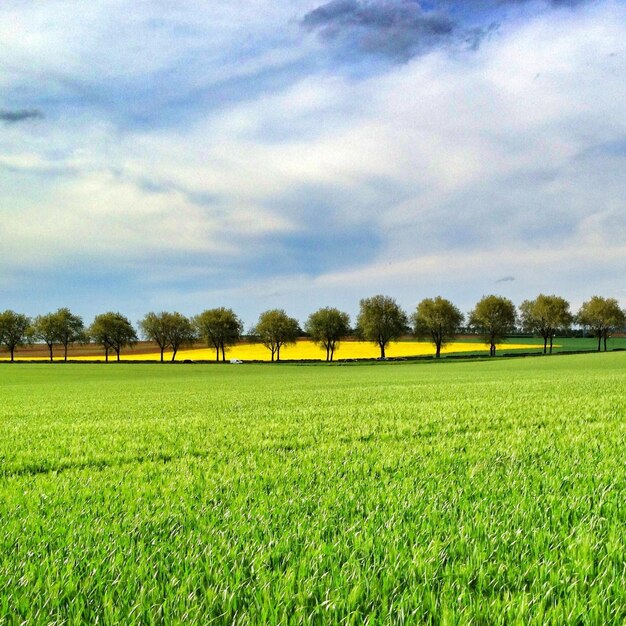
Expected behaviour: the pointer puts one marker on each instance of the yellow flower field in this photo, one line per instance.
(307, 349)
(302, 349)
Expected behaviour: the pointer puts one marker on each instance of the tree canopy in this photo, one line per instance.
(437, 319)
(494, 318)
(327, 327)
(168, 330)
(181, 332)
(70, 328)
(276, 329)
(220, 328)
(14, 330)
(154, 327)
(45, 328)
(113, 331)
(545, 316)
(61, 327)
(603, 316)
(380, 320)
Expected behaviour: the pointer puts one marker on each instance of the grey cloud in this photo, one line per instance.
(505, 279)
(557, 3)
(486, 4)
(336, 9)
(401, 29)
(21, 115)
(397, 29)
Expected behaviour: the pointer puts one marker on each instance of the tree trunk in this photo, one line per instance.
(50, 348)
(12, 353)
(278, 353)
(162, 351)
(65, 352)
(551, 342)
(174, 351)
(382, 349)
(599, 341)
(106, 355)
(332, 352)
(605, 342)
(492, 349)
(545, 344)
(223, 353)
(117, 352)
(217, 353)
(438, 350)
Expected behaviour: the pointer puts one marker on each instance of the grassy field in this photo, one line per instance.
(487, 492)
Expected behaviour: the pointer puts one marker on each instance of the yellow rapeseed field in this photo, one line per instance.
(302, 349)
(307, 349)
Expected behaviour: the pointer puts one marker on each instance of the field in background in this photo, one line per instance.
(487, 492)
(305, 349)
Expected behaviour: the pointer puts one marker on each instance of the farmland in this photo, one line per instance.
(437, 493)
(305, 349)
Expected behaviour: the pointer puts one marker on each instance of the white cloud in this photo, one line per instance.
(466, 166)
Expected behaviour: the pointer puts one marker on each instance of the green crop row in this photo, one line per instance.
(431, 493)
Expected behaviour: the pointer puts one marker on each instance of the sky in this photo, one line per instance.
(299, 153)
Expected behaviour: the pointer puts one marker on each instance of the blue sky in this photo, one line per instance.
(297, 154)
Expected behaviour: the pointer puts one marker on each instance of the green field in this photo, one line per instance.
(489, 492)
(561, 344)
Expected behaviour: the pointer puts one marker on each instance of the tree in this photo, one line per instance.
(168, 330)
(380, 320)
(545, 316)
(438, 319)
(154, 327)
(219, 328)
(14, 330)
(113, 331)
(493, 317)
(70, 329)
(603, 316)
(61, 327)
(45, 328)
(180, 332)
(276, 329)
(327, 327)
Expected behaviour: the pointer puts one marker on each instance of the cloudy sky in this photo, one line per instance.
(298, 153)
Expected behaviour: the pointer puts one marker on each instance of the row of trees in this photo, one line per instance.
(380, 320)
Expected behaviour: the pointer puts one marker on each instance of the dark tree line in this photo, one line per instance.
(380, 321)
